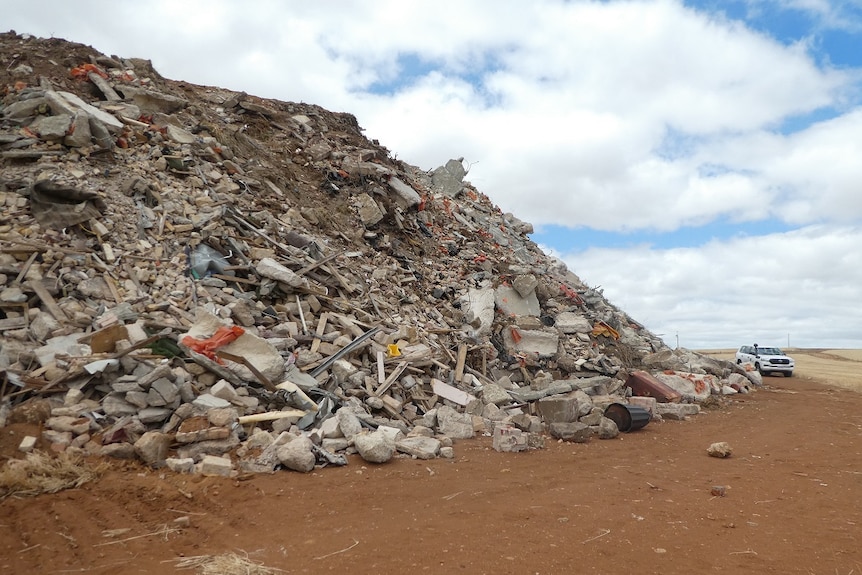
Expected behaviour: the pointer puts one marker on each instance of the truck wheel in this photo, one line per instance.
(788, 374)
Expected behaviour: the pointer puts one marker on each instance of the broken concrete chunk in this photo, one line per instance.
(297, 455)
(720, 449)
(153, 447)
(478, 308)
(533, 343)
(510, 303)
(607, 428)
(25, 108)
(575, 432)
(154, 414)
(179, 135)
(406, 194)
(493, 393)
(509, 439)
(453, 424)
(152, 101)
(348, 423)
(558, 409)
(28, 443)
(448, 179)
(690, 385)
(116, 406)
(676, 411)
(367, 209)
(419, 447)
(108, 120)
(570, 322)
(256, 350)
(214, 465)
(51, 128)
(525, 285)
(162, 392)
(178, 465)
(375, 447)
(269, 268)
(208, 401)
(75, 425)
(224, 390)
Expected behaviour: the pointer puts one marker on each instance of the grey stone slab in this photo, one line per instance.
(419, 447)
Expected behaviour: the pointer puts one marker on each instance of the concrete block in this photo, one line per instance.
(178, 465)
(419, 447)
(215, 466)
(510, 439)
(558, 409)
(27, 444)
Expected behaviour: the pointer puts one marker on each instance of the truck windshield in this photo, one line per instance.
(769, 351)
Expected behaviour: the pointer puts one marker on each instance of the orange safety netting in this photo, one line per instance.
(223, 336)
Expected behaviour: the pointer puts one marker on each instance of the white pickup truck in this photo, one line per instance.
(766, 360)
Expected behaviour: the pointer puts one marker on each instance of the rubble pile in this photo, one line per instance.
(209, 281)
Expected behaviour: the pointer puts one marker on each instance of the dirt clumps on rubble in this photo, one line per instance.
(206, 280)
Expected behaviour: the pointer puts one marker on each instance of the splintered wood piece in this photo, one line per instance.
(459, 365)
(381, 372)
(321, 326)
(396, 373)
(48, 300)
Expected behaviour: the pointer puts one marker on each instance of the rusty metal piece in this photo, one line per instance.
(644, 384)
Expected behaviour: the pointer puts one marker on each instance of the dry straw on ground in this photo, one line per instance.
(225, 564)
(41, 473)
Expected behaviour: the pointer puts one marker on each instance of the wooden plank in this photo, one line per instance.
(26, 267)
(369, 381)
(48, 300)
(446, 391)
(130, 271)
(112, 285)
(13, 323)
(396, 373)
(381, 372)
(270, 416)
(239, 280)
(301, 315)
(321, 327)
(459, 365)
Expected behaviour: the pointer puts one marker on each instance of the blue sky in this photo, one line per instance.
(700, 161)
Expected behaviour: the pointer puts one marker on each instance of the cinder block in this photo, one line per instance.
(558, 409)
(215, 465)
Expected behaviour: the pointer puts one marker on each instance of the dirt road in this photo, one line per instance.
(641, 503)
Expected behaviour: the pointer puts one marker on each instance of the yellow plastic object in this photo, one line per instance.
(393, 350)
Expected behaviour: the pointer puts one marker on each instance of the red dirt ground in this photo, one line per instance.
(641, 503)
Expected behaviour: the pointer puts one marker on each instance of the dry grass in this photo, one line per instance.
(225, 564)
(40, 473)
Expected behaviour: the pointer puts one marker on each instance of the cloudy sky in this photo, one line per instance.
(700, 161)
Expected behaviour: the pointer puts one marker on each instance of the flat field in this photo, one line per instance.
(838, 367)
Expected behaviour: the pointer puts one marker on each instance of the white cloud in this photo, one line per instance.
(802, 283)
(621, 115)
